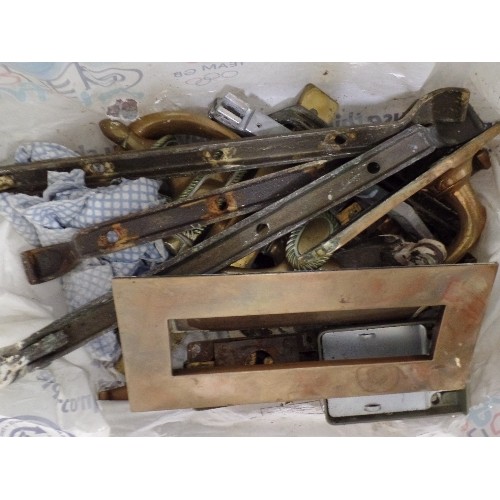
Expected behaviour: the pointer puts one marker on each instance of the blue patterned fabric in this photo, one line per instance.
(37, 151)
(67, 206)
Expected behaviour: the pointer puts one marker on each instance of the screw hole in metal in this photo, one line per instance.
(262, 229)
(259, 357)
(436, 398)
(195, 349)
(222, 203)
(340, 139)
(373, 167)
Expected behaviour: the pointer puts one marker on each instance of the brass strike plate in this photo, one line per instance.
(148, 307)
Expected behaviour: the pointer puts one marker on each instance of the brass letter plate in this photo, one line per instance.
(147, 307)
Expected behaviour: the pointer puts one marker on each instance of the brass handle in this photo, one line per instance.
(454, 188)
(120, 134)
(146, 130)
(156, 125)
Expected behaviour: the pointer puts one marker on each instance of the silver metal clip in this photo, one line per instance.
(236, 114)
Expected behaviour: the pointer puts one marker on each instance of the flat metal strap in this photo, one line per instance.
(48, 262)
(297, 208)
(446, 106)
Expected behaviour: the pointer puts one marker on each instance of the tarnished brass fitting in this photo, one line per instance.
(455, 189)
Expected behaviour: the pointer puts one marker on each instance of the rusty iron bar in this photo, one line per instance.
(49, 262)
(285, 348)
(304, 204)
(446, 108)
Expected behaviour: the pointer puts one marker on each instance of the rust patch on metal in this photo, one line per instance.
(214, 158)
(116, 238)
(273, 349)
(95, 169)
(338, 140)
(344, 216)
(219, 204)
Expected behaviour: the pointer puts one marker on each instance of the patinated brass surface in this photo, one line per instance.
(455, 189)
(146, 130)
(146, 308)
(313, 98)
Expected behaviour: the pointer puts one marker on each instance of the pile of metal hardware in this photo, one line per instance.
(313, 262)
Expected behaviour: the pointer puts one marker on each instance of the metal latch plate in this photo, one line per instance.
(394, 406)
(411, 339)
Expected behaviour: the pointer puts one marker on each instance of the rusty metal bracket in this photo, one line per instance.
(287, 348)
(147, 306)
(446, 108)
(46, 263)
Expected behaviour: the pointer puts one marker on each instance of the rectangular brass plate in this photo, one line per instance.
(146, 306)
